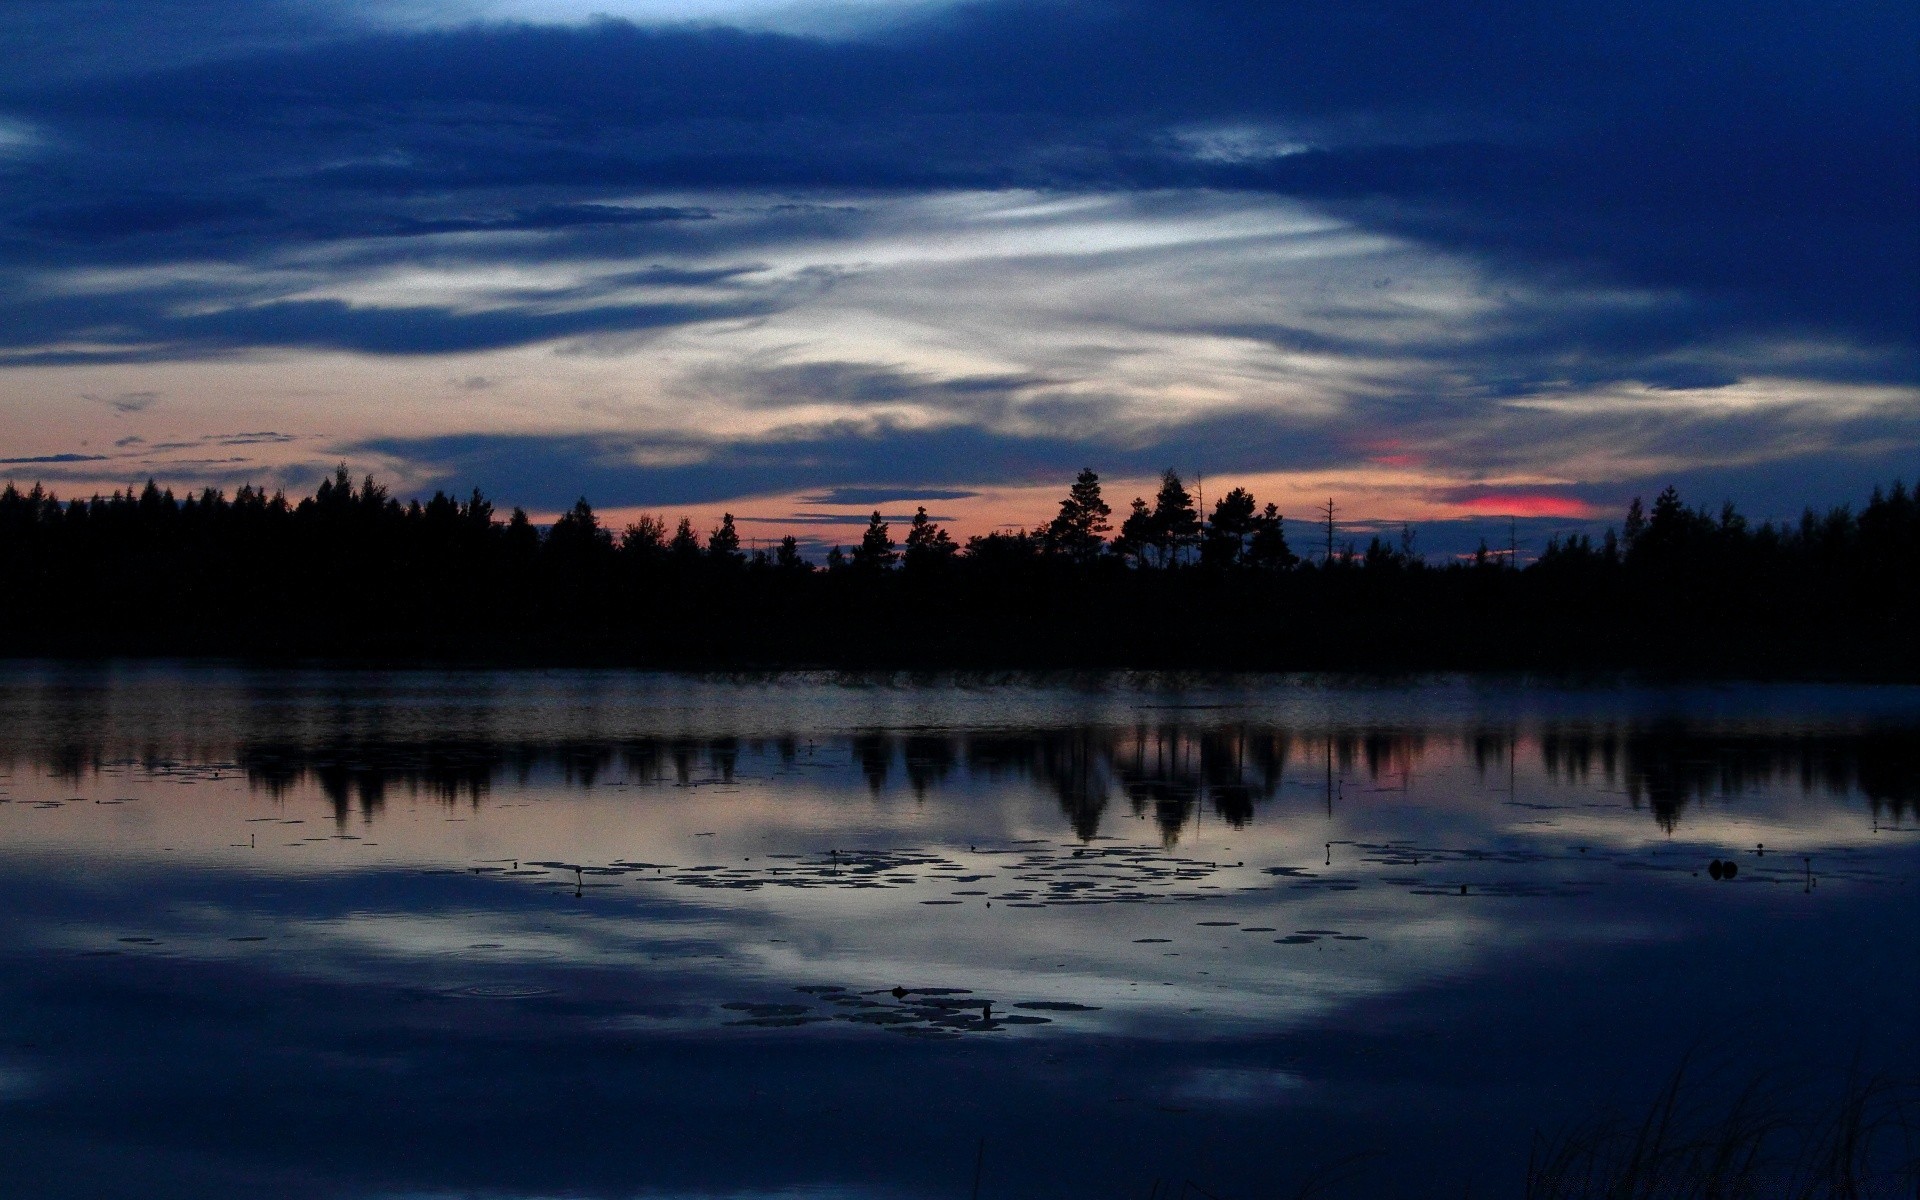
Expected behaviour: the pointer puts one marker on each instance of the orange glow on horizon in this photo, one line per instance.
(1369, 496)
(1525, 505)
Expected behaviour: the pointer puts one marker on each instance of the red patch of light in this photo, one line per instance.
(1522, 505)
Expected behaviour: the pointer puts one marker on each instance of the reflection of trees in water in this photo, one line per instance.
(1665, 767)
(929, 760)
(874, 754)
(1169, 772)
(358, 778)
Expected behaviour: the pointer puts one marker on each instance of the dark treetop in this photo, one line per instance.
(352, 573)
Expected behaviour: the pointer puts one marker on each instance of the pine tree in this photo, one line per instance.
(928, 545)
(1636, 524)
(1175, 523)
(1233, 523)
(787, 557)
(646, 537)
(1267, 549)
(1136, 534)
(875, 551)
(723, 544)
(578, 531)
(686, 543)
(1079, 531)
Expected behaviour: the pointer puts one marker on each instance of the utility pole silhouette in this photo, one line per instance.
(1329, 530)
(1513, 542)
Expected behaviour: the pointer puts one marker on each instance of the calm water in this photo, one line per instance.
(584, 934)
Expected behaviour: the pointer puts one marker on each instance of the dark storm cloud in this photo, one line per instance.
(1760, 158)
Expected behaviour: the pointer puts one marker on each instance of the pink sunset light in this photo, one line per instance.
(1523, 504)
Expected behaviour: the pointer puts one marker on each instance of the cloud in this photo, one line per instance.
(850, 518)
(1748, 153)
(127, 402)
(392, 330)
(972, 245)
(53, 458)
(868, 495)
(870, 385)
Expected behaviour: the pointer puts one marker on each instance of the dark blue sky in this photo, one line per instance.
(1539, 255)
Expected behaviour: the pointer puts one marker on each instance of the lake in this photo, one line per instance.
(602, 934)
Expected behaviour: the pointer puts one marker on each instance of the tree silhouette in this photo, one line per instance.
(1176, 525)
(787, 557)
(645, 538)
(350, 571)
(1079, 531)
(1228, 532)
(1138, 534)
(577, 535)
(1267, 549)
(875, 551)
(685, 546)
(723, 544)
(928, 545)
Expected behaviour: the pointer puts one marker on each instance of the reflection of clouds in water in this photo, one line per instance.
(1238, 1085)
(435, 935)
(1429, 849)
(1784, 826)
(1239, 969)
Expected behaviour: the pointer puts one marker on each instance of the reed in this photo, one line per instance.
(1701, 1140)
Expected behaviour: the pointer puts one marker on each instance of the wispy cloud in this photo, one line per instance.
(966, 247)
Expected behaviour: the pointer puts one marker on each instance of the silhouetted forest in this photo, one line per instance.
(352, 573)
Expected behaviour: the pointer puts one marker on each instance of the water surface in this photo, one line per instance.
(601, 934)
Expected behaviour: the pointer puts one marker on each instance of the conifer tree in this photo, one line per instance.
(1080, 529)
(1136, 533)
(723, 544)
(928, 544)
(578, 531)
(1175, 523)
(1267, 549)
(646, 537)
(686, 543)
(1227, 533)
(875, 551)
(787, 557)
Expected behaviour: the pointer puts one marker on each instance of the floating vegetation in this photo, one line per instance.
(1303, 937)
(920, 1012)
(1057, 875)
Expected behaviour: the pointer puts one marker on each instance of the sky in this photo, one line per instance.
(1446, 264)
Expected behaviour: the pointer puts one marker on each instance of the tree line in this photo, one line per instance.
(353, 573)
